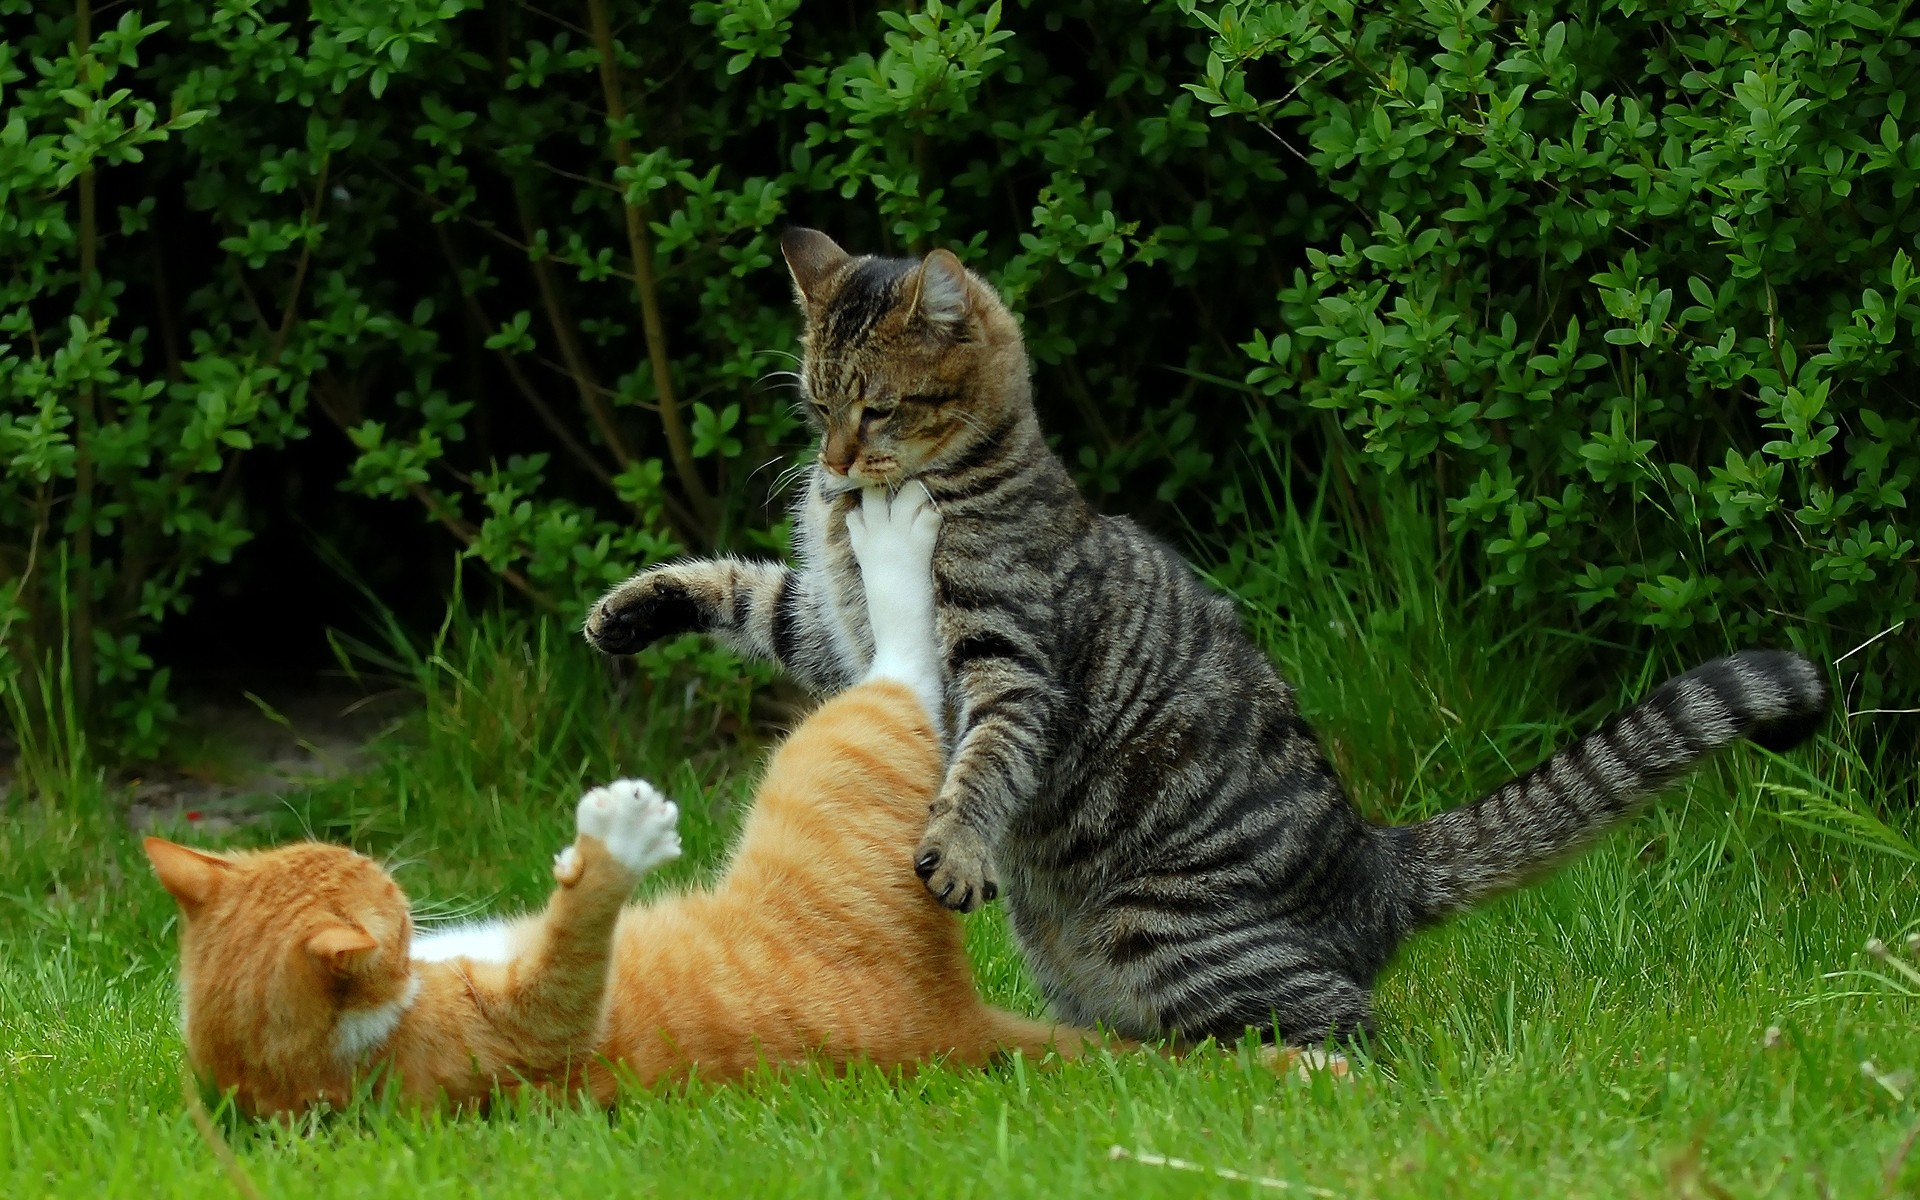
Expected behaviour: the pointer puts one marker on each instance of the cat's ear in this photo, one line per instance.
(342, 949)
(942, 294)
(191, 875)
(813, 258)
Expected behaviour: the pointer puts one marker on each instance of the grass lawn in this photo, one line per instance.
(1602, 1034)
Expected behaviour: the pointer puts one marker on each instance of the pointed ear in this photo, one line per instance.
(191, 875)
(942, 293)
(812, 257)
(342, 949)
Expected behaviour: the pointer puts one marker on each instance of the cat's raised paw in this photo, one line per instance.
(652, 605)
(638, 825)
(953, 862)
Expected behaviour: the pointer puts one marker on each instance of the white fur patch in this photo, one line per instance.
(486, 941)
(364, 1030)
(893, 540)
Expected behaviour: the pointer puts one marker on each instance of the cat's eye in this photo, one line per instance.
(819, 410)
(875, 413)
(930, 399)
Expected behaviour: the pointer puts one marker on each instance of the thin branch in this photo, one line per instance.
(300, 267)
(640, 248)
(561, 322)
(81, 628)
(521, 383)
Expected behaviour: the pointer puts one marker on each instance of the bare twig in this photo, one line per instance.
(561, 322)
(81, 629)
(300, 267)
(1893, 628)
(558, 428)
(640, 248)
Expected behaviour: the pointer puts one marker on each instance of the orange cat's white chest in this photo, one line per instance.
(484, 941)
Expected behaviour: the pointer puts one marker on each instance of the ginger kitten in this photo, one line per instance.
(301, 972)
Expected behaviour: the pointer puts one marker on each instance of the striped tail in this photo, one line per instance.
(1773, 698)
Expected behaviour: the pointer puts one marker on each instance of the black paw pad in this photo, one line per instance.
(661, 610)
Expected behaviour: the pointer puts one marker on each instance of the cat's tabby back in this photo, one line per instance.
(1176, 853)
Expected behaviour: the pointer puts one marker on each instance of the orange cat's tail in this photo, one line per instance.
(1006, 1033)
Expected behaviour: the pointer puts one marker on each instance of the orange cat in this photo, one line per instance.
(301, 973)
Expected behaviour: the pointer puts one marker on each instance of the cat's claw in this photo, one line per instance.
(953, 862)
(638, 825)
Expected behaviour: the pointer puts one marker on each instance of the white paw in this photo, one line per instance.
(639, 826)
(896, 533)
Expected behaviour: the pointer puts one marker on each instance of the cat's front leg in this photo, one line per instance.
(760, 609)
(1008, 705)
(893, 539)
(547, 1005)
(528, 1007)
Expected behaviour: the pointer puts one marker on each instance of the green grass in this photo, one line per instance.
(1602, 1034)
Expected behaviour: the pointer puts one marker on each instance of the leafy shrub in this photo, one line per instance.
(520, 268)
(1630, 285)
(1628, 288)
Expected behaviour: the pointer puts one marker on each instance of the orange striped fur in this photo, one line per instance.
(817, 944)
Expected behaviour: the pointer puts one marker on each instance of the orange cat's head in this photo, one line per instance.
(911, 364)
(293, 967)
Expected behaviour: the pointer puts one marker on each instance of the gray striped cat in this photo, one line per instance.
(1176, 854)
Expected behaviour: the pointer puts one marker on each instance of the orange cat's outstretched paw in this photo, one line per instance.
(638, 825)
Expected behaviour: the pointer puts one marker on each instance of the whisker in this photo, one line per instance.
(792, 475)
(444, 912)
(784, 456)
(969, 422)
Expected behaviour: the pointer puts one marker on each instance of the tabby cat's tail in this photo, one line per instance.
(1773, 698)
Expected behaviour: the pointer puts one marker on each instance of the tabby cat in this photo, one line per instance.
(1178, 857)
(302, 974)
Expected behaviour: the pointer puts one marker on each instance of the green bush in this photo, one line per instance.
(519, 269)
(1629, 285)
(515, 269)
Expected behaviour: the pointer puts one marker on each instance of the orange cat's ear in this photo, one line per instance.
(191, 875)
(812, 257)
(342, 949)
(941, 293)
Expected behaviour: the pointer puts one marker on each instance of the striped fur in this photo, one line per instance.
(1132, 773)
